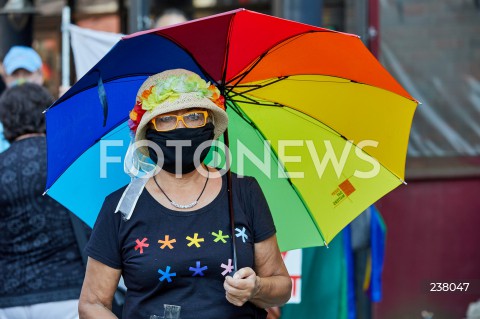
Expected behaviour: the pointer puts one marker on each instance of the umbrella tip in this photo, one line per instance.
(45, 192)
(325, 243)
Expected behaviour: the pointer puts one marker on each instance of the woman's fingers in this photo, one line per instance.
(240, 288)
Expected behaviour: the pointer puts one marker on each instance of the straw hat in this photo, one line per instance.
(174, 90)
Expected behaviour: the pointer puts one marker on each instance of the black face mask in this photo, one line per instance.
(196, 136)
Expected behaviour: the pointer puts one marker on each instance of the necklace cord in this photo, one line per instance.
(187, 205)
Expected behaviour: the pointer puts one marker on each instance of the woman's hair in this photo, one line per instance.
(21, 110)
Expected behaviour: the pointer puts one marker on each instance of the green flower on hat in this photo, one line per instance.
(173, 86)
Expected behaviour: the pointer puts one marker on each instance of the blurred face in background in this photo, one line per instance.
(21, 65)
(21, 76)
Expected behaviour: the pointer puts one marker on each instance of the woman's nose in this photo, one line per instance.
(180, 124)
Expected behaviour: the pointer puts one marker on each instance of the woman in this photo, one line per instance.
(175, 248)
(41, 267)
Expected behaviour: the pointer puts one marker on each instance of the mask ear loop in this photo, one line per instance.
(137, 166)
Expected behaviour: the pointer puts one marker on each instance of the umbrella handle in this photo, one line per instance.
(230, 202)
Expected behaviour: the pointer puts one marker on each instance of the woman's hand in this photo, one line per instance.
(273, 285)
(242, 286)
(269, 285)
(273, 313)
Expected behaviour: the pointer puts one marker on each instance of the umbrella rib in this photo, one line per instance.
(306, 206)
(64, 97)
(313, 121)
(227, 53)
(168, 37)
(284, 42)
(291, 39)
(256, 87)
(258, 103)
(244, 74)
(245, 97)
(288, 109)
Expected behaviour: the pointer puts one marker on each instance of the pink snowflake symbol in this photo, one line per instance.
(141, 244)
(228, 268)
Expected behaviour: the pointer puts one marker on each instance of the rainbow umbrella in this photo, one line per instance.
(313, 116)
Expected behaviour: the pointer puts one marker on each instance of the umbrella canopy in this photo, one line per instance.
(313, 116)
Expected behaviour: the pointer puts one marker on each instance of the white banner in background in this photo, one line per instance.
(89, 46)
(293, 261)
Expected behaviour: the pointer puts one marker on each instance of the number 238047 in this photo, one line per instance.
(448, 286)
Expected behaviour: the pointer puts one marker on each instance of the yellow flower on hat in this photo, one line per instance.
(133, 115)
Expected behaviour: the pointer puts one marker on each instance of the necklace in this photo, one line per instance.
(177, 205)
(24, 136)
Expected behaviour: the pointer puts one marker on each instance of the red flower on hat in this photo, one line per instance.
(216, 97)
(220, 102)
(136, 116)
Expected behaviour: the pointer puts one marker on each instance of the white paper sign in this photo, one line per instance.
(293, 261)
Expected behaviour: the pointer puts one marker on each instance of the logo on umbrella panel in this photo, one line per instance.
(344, 190)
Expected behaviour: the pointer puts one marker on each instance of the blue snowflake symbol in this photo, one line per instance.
(198, 270)
(166, 274)
(241, 233)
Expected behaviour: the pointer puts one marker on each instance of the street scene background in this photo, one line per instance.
(432, 47)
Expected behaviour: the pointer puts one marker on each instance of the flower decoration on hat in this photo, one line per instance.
(170, 89)
(217, 98)
(136, 116)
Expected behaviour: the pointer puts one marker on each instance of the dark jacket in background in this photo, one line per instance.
(39, 256)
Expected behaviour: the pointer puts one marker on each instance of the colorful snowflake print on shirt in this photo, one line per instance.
(241, 233)
(167, 242)
(198, 270)
(228, 268)
(166, 275)
(141, 244)
(220, 237)
(195, 240)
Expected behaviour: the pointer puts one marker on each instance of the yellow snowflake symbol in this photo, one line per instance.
(195, 240)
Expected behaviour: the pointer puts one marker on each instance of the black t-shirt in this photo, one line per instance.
(182, 258)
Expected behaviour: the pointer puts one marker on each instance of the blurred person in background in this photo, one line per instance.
(21, 65)
(473, 311)
(170, 17)
(42, 269)
(2, 83)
